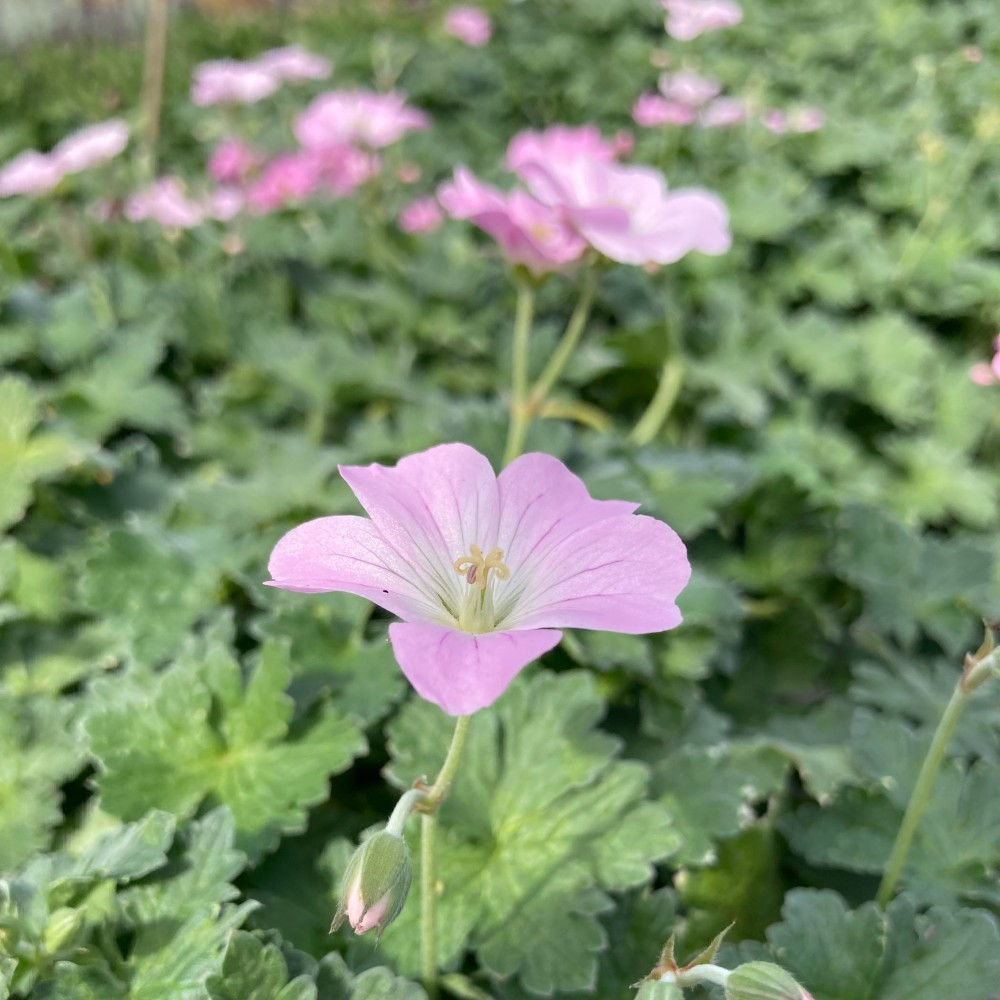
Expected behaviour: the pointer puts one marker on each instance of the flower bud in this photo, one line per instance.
(375, 884)
(763, 981)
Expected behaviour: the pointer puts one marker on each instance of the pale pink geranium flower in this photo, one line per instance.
(285, 180)
(807, 120)
(293, 63)
(528, 232)
(91, 146)
(229, 81)
(29, 173)
(627, 213)
(422, 215)
(688, 88)
(165, 201)
(655, 111)
(468, 24)
(988, 374)
(357, 117)
(485, 570)
(687, 19)
(723, 112)
(775, 121)
(558, 143)
(233, 160)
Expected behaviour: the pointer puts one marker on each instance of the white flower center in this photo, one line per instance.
(476, 613)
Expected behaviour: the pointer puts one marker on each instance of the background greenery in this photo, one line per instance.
(184, 752)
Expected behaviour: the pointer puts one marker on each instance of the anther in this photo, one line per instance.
(476, 567)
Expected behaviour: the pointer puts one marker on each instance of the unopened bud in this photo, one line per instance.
(763, 981)
(375, 884)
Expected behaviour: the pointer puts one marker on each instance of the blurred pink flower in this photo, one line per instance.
(723, 112)
(559, 143)
(654, 111)
(229, 81)
(807, 120)
(224, 203)
(627, 214)
(357, 117)
(528, 232)
(689, 88)
(622, 143)
(469, 24)
(91, 146)
(285, 180)
(232, 160)
(408, 173)
(422, 215)
(293, 63)
(988, 374)
(341, 169)
(29, 172)
(484, 570)
(775, 121)
(687, 19)
(166, 202)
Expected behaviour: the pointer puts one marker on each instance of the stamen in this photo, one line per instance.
(477, 567)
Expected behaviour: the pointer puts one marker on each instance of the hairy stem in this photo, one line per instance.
(976, 673)
(157, 17)
(519, 416)
(429, 801)
(570, 338)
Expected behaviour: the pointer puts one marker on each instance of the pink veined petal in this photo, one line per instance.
(348, 554)
(620, 574)
(430, 509)
(541, 505)
(462, 672)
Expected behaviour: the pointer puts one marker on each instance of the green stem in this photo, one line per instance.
(157, 18)
(429, 802)
(570, 338)
(976, 673)
(697, 975)
(667, 391)
(519, 416)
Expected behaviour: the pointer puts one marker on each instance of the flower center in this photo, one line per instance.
(476, 613)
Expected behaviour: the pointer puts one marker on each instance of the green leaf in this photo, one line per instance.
(253, 970)
(336, 982)
(25, 456)
(149, 589)
(528, 850)
(129, 851)
(197, 732)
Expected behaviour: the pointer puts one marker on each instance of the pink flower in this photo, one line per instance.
(469, 24)
(687, 19)
(807, 120)
(232, 160)
(408, 173)
(485, 570)
(775, 121)
(341, 169)
(224, 203)
(91, 146)
(285, 180)
(723, 112)
(627, 214)
(558, 143)
(165, 202)
(30, 172)
(293, 63)
(229, 81)
(622, 143)
(422, 215)
(357, 117)
(528, 232)
(689, 88)
(988, 374)
(654, 111)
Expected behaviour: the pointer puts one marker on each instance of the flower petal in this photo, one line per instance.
(430, 509)
(541, 505)
(462, 672)
(348, 554)
(622, 574)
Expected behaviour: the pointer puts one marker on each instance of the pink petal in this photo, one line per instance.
(430, 509)
(348, 554)
(621, 574)
(462, 672)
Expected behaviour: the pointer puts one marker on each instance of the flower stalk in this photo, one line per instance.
(667, 390)
(519, 413)
(979, 668)
(152, 81)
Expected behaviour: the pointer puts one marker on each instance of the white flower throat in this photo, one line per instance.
(476, 613)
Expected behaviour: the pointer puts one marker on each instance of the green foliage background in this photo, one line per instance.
(185, 756)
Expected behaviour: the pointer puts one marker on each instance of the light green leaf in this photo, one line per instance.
(197, 731)
(253, 970)
(336, 982)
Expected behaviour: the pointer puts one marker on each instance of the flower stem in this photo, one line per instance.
(429, 802)
(570, 338)
(976, 673)
(697, 975)
(519, 416)
(152, 81)
(655, 415)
